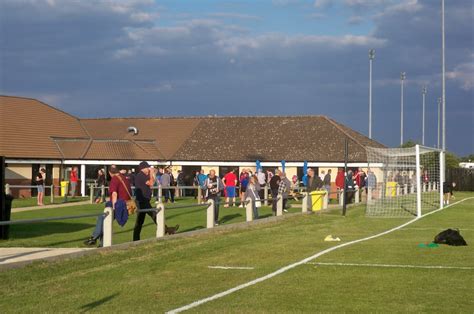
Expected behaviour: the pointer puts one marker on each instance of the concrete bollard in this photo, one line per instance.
(160, 195)
(109, 218)
(210, 214)
(398, 190)
(429, 187)
(405, 189)
(326, 200)
(160, 220)
(357, 195)
(199, 195)
(91, 192)
(304, 204)
(52, 194)
(265, 195)
(279, 205)
(102, 193)
(7, 189)
(369, 194)
(249, 209)
(341, 197)
(412, 189)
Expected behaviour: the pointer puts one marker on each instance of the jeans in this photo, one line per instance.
(141, 219)
(98, 232)
(73, 188)
(168, 194)
(274, 200)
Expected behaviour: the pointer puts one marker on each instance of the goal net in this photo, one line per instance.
(404, 182)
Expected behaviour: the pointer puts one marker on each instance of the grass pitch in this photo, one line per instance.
(164, 275)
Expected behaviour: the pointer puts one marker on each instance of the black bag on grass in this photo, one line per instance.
(450, 237)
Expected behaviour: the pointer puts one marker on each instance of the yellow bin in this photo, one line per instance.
(64, 189)
(317, 198)
(391, 189)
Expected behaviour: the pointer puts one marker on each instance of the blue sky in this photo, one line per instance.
(281, 57)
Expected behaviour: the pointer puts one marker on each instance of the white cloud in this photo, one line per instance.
(234, 16)
(322, 4)
(464, 75)
(355, 20)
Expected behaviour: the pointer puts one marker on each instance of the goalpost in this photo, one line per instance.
(404, 182)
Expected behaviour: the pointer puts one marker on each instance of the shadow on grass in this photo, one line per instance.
(46, 228)
(228, 218)
(185, 212)
(20, 255)
(93, 305)
(192, 229)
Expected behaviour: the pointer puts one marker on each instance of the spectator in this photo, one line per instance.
(172, 184)
(349, 187)
(202, 183)
(143, 195)
(165, 185)
(322, 175)
(274, 184)
(371, 180)
(73, 179)
(100, 182)
(244, 181)
(284, 190)
(180, 183)
(261, 177)
(448, 188)
(39, 180)
(120, 191)
(252, 192)
(314, 181)
(230, 181)
(196, 184)
(214, 186)
(327, 182)
(340, 182)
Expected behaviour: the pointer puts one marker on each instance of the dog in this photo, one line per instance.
(171, 230)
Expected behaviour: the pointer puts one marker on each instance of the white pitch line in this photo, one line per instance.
(229, 267)
(302, 262)
(393, 266)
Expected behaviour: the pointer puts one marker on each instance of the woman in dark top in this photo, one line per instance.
(40, 176)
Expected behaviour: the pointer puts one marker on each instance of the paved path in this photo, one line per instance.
(16, 255)
(23, 209)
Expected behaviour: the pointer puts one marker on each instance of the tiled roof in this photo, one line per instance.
(32, 129)
(27, 125)
(297, 138)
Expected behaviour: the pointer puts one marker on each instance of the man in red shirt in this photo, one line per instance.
(73, 179)
(230, 181)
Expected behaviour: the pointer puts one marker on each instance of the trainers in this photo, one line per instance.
(90, 242)
(285, 210)
(216, 224)
(241, 205)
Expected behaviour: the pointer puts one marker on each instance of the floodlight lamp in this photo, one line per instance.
(371, 54)
(403, 76)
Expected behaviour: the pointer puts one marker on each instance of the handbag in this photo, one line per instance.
(258, 202)
(131, 203)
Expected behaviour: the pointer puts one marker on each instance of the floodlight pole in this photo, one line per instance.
(423, 91)
(443, 48)
(402, 80)
(371, 58)
(439, 120)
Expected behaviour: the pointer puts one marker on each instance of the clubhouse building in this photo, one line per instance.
(35, 135)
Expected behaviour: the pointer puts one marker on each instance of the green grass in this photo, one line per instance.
(159, 276)
(71, 233)
(32, 201)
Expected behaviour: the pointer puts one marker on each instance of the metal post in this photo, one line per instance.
(402, 79)
(249, 209)
(443, 48)
(160, 220)
(405, 189)
(210, 214)
(304, 204)
(109, 218)
(423, 91)
(371, 58)
(439, 119)
(265, 195)
(418, 181)
(83, 180)
(279, 205)
(344, 196)
(441, 179)
(357, 196)
(341, 196)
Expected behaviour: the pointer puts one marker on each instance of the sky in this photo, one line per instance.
(149, 58)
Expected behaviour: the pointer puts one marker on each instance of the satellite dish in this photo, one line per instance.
(132, 129)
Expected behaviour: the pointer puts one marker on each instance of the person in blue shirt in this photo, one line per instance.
(202, 183)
